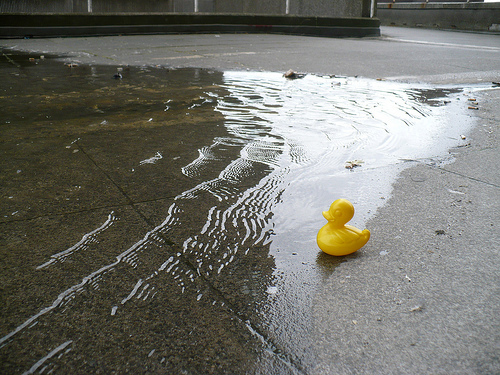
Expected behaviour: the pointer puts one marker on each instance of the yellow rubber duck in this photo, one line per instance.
(337, 238)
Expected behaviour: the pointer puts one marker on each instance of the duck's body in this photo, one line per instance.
(343, 241)
(337, 238)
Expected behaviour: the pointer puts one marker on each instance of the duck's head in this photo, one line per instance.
(340, 212)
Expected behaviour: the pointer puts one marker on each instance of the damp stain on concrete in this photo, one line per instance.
(162, 219)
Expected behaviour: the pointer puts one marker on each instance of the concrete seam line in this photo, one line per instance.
(452, 45)
(469, 177)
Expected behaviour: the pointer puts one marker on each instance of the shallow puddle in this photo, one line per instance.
(157, 214)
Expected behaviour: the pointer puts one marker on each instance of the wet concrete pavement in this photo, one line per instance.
(117, 255)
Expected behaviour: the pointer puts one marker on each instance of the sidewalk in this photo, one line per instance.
(424, 296)
(421, 297)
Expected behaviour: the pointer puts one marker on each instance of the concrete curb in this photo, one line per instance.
(50, 25)
(449, 16)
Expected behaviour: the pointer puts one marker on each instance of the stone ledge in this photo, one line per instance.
(46, 25)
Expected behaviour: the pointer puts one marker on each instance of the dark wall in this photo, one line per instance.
(106, 6)
(43, 6)
(249, 6)
(325, 8)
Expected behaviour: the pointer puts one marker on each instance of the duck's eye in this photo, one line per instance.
(338, 213)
